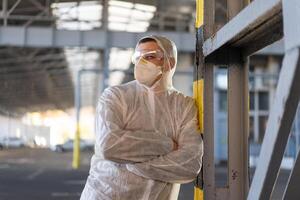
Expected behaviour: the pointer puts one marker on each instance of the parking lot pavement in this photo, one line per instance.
(34, 174)
(40, 174)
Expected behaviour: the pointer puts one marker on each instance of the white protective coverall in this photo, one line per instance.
(135, 128)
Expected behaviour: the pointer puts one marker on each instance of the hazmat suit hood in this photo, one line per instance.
(170, 60)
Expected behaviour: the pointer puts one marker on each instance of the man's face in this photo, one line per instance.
(149, 47)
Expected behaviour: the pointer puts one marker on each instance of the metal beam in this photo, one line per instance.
(276, 48)
(106, 51)
(208, 138)
(4, 12)
(278, 127)
(292, 189)
(238, 117)
(208, 107)
(13, 7)
(96, 39)
(168, 2)
(257, 22)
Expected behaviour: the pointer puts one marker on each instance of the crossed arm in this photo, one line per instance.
(149, 154)
(125, 146)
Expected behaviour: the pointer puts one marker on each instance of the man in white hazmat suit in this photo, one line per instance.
(147, 138)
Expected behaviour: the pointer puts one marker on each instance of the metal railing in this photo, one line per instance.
(251, 27)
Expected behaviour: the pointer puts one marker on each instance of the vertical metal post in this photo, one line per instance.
(76, 151)
(4, 12)
(106, 67)
(76, 145)
(161, 15)
(198, 87)
(208, 106)
(208, 157)
(238, 117)
(9, 125)
(238, 130)
(104, 14)
(106, 50)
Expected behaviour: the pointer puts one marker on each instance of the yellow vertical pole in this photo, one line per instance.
(76, 149)
(198, 95)
(198, 85)
(76, 145)
(199, 13)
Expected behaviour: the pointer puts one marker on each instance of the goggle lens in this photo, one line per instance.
(149, 56)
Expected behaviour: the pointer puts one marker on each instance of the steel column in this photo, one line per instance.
(76, 150)
(238, 130)
(238, 117)
(208, 136)
(208, 107)
(106, 50)
(4, 12)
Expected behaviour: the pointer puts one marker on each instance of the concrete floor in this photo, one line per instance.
(40, 174)
(34, 174)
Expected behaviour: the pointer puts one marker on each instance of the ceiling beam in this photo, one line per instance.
(96, 39)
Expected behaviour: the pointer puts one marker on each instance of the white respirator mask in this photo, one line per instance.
(146, 72)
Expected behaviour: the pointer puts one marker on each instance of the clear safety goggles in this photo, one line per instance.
(148, 55)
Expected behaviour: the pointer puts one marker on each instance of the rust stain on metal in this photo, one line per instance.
(234, 174)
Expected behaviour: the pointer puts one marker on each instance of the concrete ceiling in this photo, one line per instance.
(34, 79)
